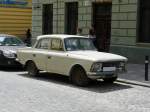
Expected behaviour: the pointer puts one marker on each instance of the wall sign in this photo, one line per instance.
(13, 2)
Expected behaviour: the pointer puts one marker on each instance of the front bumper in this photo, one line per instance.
(9, 62)
(105, 74)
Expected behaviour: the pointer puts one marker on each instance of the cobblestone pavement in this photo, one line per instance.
(51, 93)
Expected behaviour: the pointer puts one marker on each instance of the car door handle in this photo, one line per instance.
(34, 55)
(49, 57)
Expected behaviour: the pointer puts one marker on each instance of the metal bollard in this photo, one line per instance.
(146, 67)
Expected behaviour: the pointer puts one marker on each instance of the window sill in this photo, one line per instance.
(143, 44)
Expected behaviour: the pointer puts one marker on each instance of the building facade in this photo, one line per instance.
(131, 29)
(121, 26)
(15, 17)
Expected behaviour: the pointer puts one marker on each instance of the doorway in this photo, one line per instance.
(71, 20)
(102, 25)
(47, 19)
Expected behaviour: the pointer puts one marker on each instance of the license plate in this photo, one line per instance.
(109, 69)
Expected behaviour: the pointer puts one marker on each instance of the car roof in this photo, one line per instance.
(62, 36)
(6, 35)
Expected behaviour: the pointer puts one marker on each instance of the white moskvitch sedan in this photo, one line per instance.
(73, 56)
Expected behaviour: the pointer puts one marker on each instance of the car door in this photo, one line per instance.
(40, 53)
(56, 57)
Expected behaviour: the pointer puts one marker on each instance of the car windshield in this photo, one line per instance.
(10, 41)
(77, 43)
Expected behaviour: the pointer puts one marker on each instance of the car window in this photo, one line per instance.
(74, 44)
(43, 44)
(10, 41)
(2, 40)
(16, 41)
(56, 44)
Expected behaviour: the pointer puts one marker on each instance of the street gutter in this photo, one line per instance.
(133, 82)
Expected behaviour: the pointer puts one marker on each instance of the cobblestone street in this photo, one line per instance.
(51, 93)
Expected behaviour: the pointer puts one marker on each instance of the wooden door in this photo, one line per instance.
(102, 25)
(47, 19)
(71, 19)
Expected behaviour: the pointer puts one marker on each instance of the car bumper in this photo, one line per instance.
(104, 74)
(9, 62)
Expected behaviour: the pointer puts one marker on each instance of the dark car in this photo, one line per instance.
(8, 48)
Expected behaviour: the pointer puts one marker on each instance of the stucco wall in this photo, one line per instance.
(84, 15)
(124, 22)
(124, 31)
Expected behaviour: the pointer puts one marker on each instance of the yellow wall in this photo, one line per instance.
(15, 21)
(29, 3)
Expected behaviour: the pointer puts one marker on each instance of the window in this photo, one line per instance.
(43, 44)
(144, 21)
(47, 18)
(56, 44)
(10, 41)
(74, 44)
(71, 17)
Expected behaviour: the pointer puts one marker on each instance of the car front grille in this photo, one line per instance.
(111, 64)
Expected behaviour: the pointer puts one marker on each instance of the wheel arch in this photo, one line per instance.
(26, 63)
(75, 66)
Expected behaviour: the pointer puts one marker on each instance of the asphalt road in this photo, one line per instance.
(53, 93)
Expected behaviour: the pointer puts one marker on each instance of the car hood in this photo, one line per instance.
(97, 56)
(12, 49)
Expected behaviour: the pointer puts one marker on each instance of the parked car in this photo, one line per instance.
(8, 47)
(73, 56)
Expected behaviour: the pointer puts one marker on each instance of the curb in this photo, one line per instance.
(133, 82)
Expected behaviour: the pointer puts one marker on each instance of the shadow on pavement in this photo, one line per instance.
(95, 86)
(11, 69)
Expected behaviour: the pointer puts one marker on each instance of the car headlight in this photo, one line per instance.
(122, 64)
(8, 54)
(96, 67)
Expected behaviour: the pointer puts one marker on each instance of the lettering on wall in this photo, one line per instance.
(13, 2)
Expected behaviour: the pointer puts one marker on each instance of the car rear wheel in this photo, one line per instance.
(79, 77)
(110, 80)
(32, 69)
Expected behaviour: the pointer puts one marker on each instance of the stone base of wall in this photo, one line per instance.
(134, 54)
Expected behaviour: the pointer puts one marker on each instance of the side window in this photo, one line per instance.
(43, 44)
(57, 44)
(8, 41)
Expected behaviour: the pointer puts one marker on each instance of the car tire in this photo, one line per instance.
(79, 77)
(110, 80)
(32, 69)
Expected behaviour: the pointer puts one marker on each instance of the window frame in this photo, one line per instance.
(62, 42)
(39, 41)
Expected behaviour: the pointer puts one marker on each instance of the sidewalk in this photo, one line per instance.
(135, 75)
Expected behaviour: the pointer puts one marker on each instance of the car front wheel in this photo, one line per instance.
(32, 69)
(79, 77)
